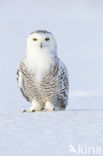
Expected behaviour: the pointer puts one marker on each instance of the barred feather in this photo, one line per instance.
(54, 84)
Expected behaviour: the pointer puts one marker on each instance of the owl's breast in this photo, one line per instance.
(39, 66)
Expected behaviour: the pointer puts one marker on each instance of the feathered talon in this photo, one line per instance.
(33, 110)
(24, 111)
(28, 111)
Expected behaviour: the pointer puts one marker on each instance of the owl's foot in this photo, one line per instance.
(49, 107)
(33, 110)
(36, 107)
(28, 110)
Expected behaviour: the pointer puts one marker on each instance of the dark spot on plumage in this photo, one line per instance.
(42, 109)
(63, 106)
(33, 110)
(17, 72)
(40, 32)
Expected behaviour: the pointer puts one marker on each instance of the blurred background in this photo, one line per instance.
(78, 29)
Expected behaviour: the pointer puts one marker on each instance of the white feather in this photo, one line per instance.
(39, 59)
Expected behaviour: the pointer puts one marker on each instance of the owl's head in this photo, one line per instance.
(41, 40)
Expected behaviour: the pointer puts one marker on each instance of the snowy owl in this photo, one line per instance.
(41, 75)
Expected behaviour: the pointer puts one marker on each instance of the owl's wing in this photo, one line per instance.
(63, 83)
(20, 81)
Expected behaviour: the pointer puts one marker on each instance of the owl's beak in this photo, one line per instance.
(41, 45)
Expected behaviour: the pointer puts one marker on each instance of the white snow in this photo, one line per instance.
(50, 133)
(78, 29)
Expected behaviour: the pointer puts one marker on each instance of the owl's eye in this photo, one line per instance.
(35, 39)
(47, 39)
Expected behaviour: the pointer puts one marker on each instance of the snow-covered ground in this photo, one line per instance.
(78, 29)
(49, 133)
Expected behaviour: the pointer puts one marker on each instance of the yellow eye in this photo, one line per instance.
(47, 39)
(35, 39)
